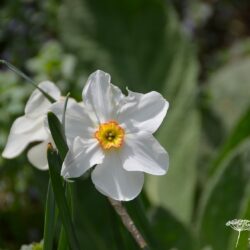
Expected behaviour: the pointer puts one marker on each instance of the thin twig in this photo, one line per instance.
(128, 223)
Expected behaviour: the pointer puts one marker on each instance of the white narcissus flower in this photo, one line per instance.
(30, 127)
(113, 132)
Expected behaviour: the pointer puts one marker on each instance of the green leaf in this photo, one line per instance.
(64, 212)
(121, 237)
(244, 212)
(240, 133)
(62, 242)
(137, 50)
(97, 223)
(222, 201)
(58, 135)
(180, 135)
(49, 224)
(170, 232)
(160, 229)
(137, 212)
(228, 89)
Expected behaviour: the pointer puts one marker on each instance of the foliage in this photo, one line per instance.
(144, 45)
(33, 246)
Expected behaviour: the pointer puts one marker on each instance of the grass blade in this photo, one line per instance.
(28, 79)
(238, 135)
(62, 243)
(64, 212)
(49, 224)
(58, 135)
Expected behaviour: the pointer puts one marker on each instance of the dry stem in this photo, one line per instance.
(128, 223)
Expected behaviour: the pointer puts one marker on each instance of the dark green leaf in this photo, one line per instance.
(180, 135)
(243, 243)
(244, 212)
(222, 202)
(58, 135)
(62, 242)
(171, 233)
(64, 212)
(136, 51)
(240, 133)
(97, 223)
(228, 88)
(138, 214)
(49, 224)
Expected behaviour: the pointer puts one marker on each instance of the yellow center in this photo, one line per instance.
(110, 135)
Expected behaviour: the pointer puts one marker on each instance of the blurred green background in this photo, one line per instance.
(197, 54)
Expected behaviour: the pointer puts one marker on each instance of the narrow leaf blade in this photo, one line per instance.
(222, 202)
(64, 213)
(28, 79)
(58, 135)
(49, 224)
(238, 135)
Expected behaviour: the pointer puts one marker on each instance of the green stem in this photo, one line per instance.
(238, 238)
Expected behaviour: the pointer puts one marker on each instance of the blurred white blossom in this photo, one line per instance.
(30, 127)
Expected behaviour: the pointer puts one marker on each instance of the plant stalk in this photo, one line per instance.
(128, 223)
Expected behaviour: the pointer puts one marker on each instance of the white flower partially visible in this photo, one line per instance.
(113, 132)
(30, 127)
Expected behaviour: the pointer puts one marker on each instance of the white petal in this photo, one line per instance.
(77, 120)
(143, 111)
(142, 152)
(118, 96)
(57, 108)
(97, 95)
(38, 104)
(115, 182)
(82, 156)
(37, 155)
(20, 137)
(24, 124)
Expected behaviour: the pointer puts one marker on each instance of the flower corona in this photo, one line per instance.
(110, 135)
